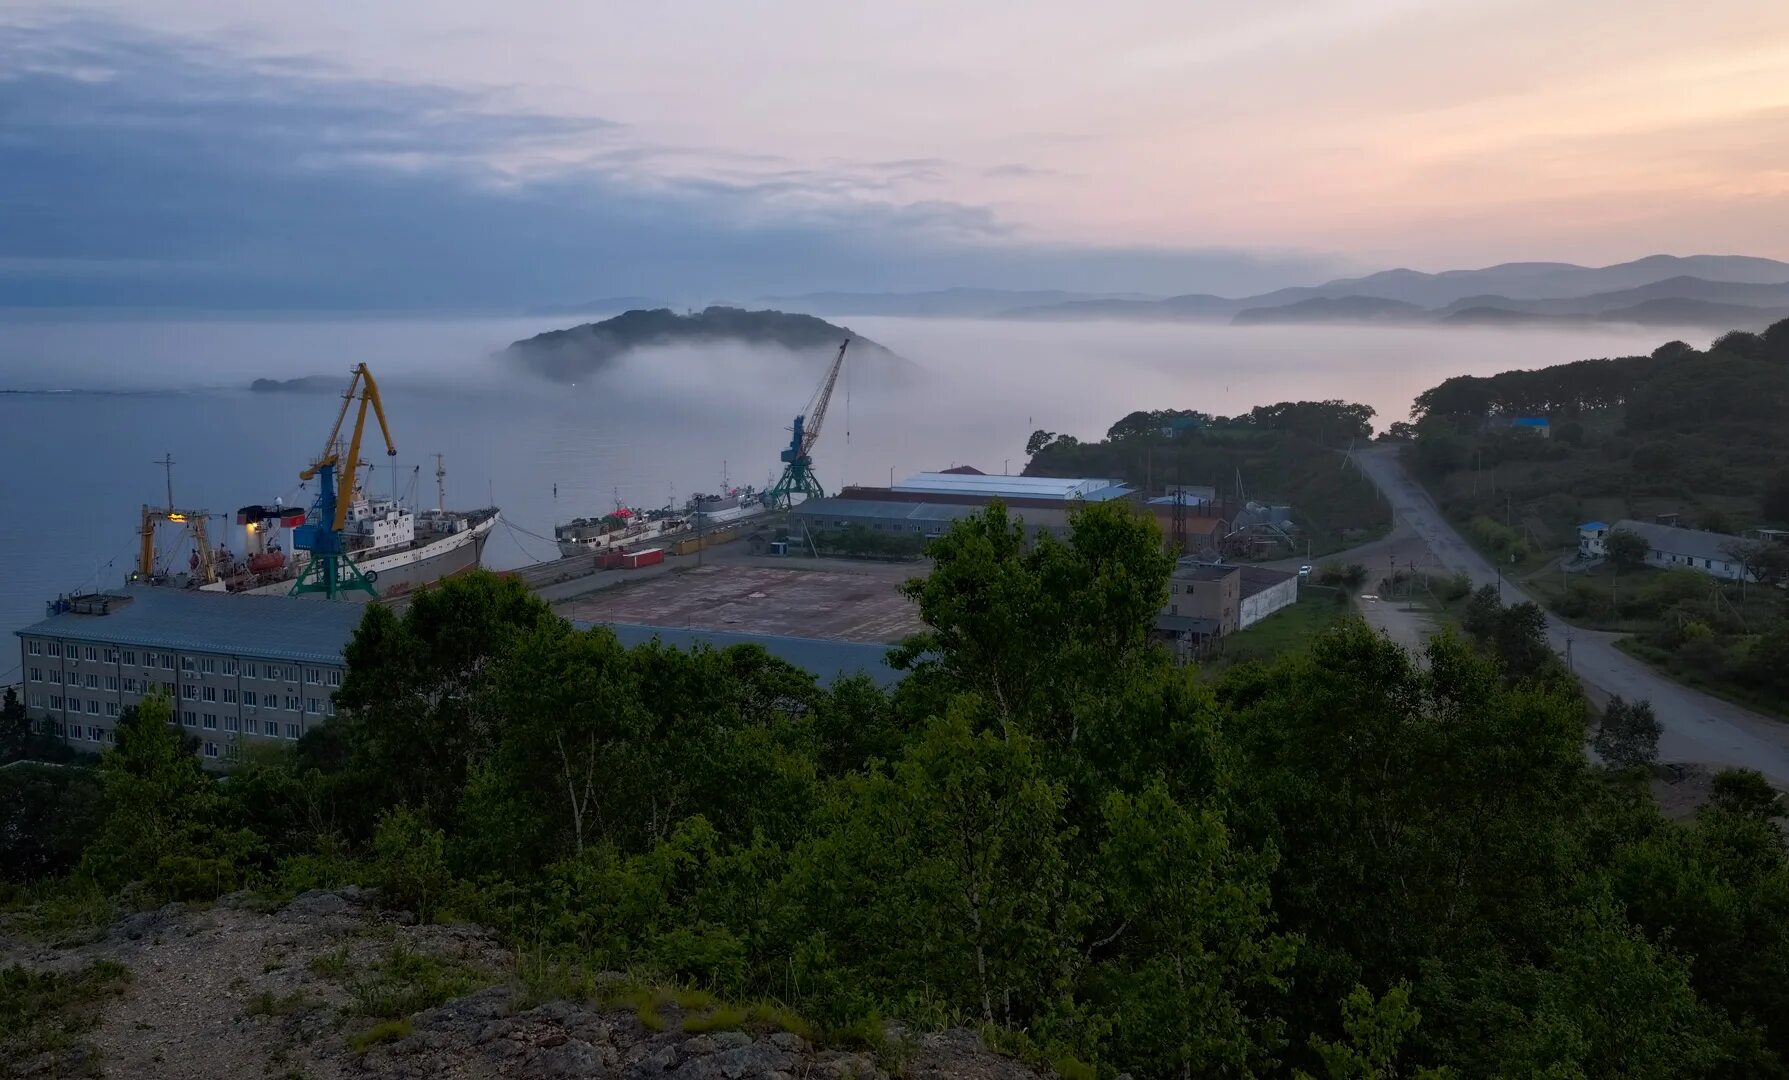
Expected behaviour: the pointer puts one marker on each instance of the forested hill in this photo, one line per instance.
(581, 351)
(1287, 453)
(1348, 862)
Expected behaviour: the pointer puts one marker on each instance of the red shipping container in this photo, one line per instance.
(636, 559)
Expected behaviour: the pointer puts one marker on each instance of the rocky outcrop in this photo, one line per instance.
(236, 989)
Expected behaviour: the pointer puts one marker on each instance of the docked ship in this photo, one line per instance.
(394, 546)
(351, 541)
(620, 527)
(732, 505)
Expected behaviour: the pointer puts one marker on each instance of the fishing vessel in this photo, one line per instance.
(621, 526)
(347, 542)
(731, 505)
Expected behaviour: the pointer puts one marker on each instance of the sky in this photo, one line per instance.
(451, 153)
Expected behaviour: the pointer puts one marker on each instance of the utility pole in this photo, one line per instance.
(167, 464)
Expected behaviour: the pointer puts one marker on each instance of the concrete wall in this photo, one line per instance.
(1268, 600)
(210, 691)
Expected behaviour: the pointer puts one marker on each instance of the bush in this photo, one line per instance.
(409, 865)
(1628, 735)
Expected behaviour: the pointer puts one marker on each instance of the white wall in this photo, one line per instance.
(1664, 560)
(1267, 601)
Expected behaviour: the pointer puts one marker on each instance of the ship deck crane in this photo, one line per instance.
(330, 571)
(798, 460)
(203, 564)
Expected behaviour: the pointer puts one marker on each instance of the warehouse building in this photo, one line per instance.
(237, 668)
(926, 504)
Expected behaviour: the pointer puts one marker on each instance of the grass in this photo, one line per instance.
(1287, 630)
(47, 1012)
(70, 910)
(332, 965)
(385, 1031)
(407, 981)
(1722, 687)
(267, 1003)
(720, 1018)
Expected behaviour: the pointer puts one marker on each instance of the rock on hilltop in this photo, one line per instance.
(330, 987)
(581, 351)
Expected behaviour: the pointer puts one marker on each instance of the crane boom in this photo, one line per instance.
(360, 385)
(817, 410)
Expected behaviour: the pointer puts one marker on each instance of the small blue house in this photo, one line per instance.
(1537, 425)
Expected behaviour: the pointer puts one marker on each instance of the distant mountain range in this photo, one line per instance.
(1714, 290)
(960, 302)
(580, 351)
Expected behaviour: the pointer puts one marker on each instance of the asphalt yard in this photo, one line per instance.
(836, 605)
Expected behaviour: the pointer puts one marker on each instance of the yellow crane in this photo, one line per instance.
(360, 385)
(330, 570)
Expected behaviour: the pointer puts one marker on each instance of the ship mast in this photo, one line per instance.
(440, 485)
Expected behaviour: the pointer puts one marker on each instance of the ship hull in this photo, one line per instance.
(404, 571)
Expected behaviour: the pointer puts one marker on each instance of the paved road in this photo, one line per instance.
(1697, 728)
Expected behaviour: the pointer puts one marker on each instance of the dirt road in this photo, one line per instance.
(1698, 728)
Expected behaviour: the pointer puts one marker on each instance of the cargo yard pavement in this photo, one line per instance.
(856, 604)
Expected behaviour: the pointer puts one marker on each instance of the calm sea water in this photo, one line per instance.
(108, 398)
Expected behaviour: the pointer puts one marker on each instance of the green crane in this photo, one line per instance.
(798, 462)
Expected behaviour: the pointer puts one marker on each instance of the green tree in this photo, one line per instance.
(1628, 735)
(1196, 948)
(1040, 632)
(1376, 1031)
(1625, 549)
(162, 823)
(15, 727)
(1747, 793)
(415, 709)
(949, 873)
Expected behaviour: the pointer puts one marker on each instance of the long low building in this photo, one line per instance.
(1669, 546)
(238, 668)
(246, 670)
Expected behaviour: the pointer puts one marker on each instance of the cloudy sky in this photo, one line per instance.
(450, 153)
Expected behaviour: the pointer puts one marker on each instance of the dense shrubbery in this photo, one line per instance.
(1344, 861)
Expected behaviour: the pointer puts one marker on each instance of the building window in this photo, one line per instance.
(189, 692)
(250, 671)
(313, 676)
(329, 707)
(229, 695)
(53, 648)
(291, 731)
(229, 667)
(209, 693)
(92, 653)
(232, 723)
(112, 708)
(313, 705)
(35, 648)
(335, 676)
(130, 686)
(292, 673)
(148, 659)
(292, 704)
(168, 661)
(37, 674)
(189, 719)
(186, 663)
(56, 702)
(55, 676)
(251, 725)
(112, 683)
(168, 689)
(74, 704)
(248, 698)
(37, 701)
(130, 658)
(111, 656)
(93, 707)
(208, 666)
(92, 680)
(210, 721)
(210, 749)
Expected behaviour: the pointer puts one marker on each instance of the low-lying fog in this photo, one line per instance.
(663, 423)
